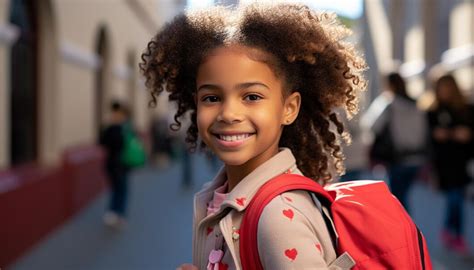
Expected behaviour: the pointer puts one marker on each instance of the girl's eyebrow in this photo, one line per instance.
(239, 86)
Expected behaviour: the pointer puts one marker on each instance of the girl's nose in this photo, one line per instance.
(230, 113)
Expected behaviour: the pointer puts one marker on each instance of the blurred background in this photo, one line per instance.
(63, 62)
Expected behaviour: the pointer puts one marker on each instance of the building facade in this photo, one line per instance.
(420, 38)
(62, 63)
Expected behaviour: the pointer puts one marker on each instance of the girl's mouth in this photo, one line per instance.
(232, 141)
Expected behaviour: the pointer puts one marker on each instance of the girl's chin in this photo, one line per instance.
(232, 161)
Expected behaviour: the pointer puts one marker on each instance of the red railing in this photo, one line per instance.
(35, 200)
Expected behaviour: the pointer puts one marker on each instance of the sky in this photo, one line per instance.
(348, 8)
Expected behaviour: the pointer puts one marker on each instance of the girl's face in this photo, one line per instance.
(240, 107)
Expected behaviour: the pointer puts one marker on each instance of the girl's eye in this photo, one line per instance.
(253, 97)
(210, 99)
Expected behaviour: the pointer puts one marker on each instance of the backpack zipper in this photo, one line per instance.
(420, 246)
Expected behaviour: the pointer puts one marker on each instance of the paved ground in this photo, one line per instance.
(158, 235)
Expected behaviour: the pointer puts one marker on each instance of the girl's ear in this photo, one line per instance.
(292, 108)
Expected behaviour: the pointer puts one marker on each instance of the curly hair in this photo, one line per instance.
(307, 50)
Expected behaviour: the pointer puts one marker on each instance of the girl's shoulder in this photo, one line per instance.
(293, 225)
(290, 209)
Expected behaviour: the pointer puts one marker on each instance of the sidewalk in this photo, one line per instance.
(428, 214)
(158, 235)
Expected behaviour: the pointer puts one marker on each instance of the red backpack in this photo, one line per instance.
(372, 225)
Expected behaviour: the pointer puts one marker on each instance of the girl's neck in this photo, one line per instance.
(235, 173)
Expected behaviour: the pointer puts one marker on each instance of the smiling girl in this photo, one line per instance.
(261, 83)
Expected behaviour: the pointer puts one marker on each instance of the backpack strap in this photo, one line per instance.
(248, 245)
(327, 218)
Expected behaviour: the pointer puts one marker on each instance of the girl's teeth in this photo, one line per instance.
(233, 138)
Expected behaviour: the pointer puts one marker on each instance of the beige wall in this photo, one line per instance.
(4, 104)
(379, 26)
(462, 28)
(463, 13)
(125, 33)
(78, 82)
(75, 122)
(68, 64)
(414, 50)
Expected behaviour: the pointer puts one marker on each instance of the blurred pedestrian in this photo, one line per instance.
(400, 135)
(161, 141)
(182, 153)
(112, 140)
(451, 131)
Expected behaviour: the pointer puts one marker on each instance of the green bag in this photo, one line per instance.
(133, 153)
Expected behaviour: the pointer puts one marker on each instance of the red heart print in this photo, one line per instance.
(288, 213)
(209, 230)
(318, 246)
(291, 253)
(288, 199)
(240, 201)
(223, 266)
